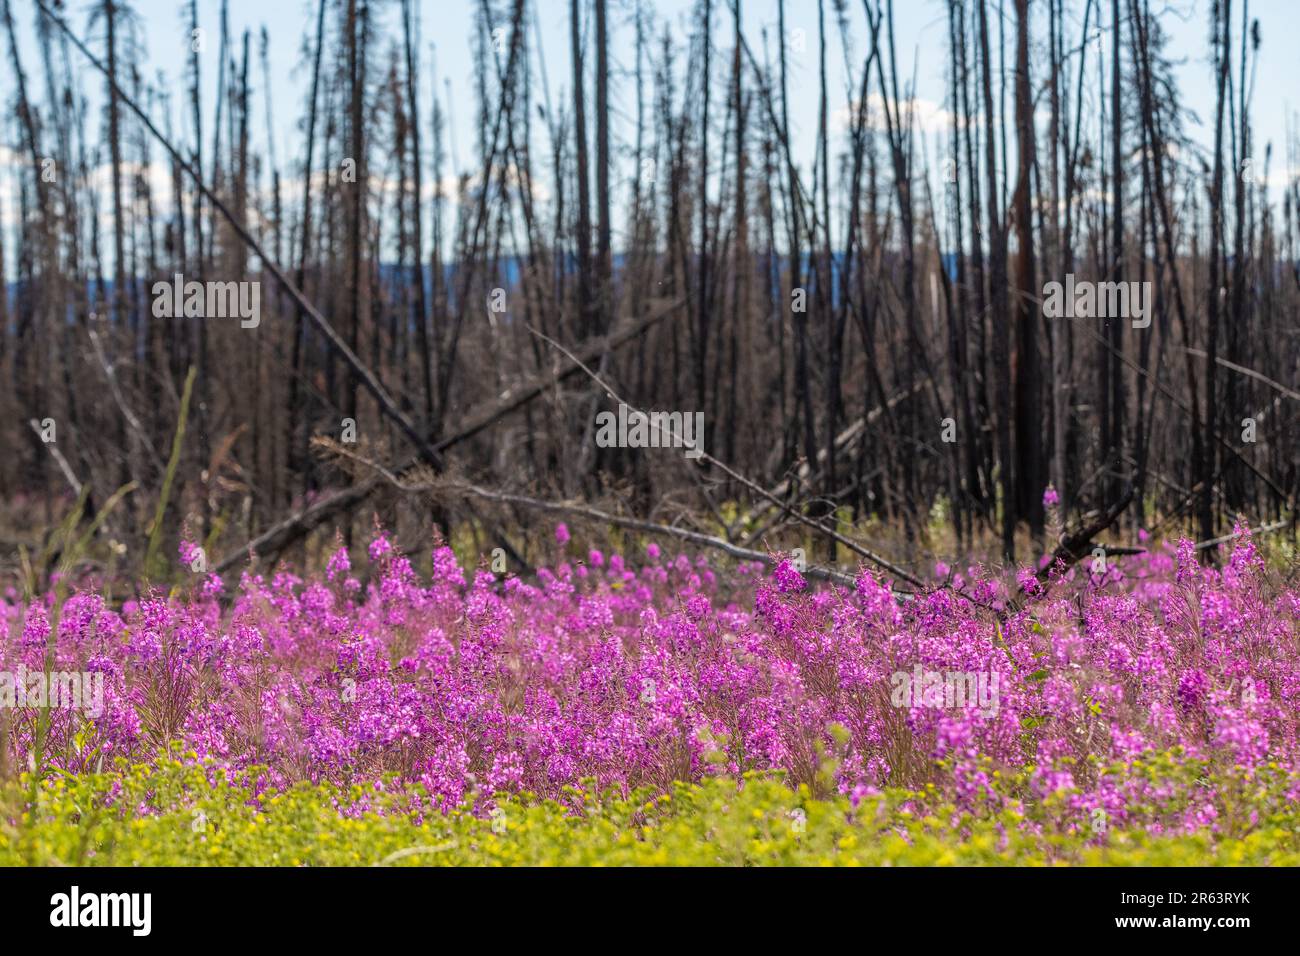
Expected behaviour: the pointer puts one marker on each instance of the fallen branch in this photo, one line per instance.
(758, 489)
(295, 526)
(1073, 547)
(515, 398)
(62, 462)
(281, 535)
(440, 489)
(110, 373)
(846, 439)
(1223, 539)
(634, 524)
(1249, 373)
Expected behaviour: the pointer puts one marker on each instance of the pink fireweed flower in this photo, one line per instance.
(787, 578)
(1028, 581)
(380, 547)
(1245, 559)
(1188, 568)
(190, 553)
(339, 564)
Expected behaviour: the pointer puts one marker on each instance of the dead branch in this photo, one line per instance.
(1223, 539)
(279, 536)
(110, 373)
(849, 436)
(853, 546)
(1248, 372)
(633, 524)
(1073, 547)
(59, 459)
(443, 487)
(295, 526)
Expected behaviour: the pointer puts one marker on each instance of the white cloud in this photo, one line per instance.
(926, 115)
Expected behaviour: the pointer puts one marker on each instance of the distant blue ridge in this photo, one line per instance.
(508, 272)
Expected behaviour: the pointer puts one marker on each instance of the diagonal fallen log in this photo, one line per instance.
(1073, 547)
(1249, 373)
(632, 524)
(878, 560)
(442, 489)
(848, 437)
(1224, 539)
(284, 533)
(296, 526)
(68, 474)
(517, 397)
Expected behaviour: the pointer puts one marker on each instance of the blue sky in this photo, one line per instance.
(448, 26)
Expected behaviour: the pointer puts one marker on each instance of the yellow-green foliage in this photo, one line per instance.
(173, 812)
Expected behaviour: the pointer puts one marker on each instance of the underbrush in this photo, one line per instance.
(175, 812)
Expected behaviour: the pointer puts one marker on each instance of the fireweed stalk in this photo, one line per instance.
(632, 677)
